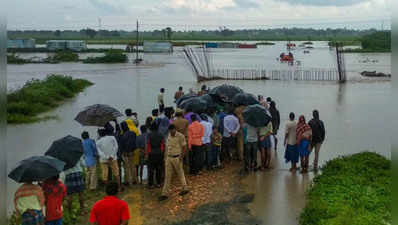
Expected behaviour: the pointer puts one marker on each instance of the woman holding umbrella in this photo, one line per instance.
(29, 201)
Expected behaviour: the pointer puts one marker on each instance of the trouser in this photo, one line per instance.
(196, 159)
(317, 147)
(206, 151)
(239, 145)
(91, 177)
(112, 164)
(130, 171)
(250, 154)
(174, 165)
(226, 149)
(213, 155)
(155, 162)
(161, 107)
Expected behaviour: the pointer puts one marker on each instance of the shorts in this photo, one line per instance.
(36, 218)
(266, 143)
(74, 183)
(303, 148)
(291, 154)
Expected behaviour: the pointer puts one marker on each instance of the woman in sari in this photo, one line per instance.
(304, 135)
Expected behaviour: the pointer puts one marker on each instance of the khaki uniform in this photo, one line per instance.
(182, 125)
(130, 170)
(114, 167)
(239, 136)
(91, 177)
(174, 150)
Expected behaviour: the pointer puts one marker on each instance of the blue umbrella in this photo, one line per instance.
(36, 168)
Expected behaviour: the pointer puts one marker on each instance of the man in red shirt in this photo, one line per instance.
(196, 131)
(55, 193)
(110, 210)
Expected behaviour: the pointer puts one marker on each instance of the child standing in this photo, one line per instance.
(55, 193)
(216, 139)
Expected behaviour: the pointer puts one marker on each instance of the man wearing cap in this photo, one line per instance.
(175, 149)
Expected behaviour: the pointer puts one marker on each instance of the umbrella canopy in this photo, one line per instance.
(225, 92)
(183, 98)
(36, 168)
(210, 103)
(196, 105)
(256, 115)
(97, 115)
(244, 99)
(68, 149)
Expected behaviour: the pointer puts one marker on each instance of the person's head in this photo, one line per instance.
(85, 135)
(269, 99)
(128, 112)
(260, 97)
(54, 178)
(101, 132)
(203, 87)
(179, 114)
(112, 188)
(161, 110)
(172, 130)
(272, 105)
(162, 90)
(204, 117)
(155, 112)
(302, 119)
(143, 129)
(315, 114)
(180, 88)
(124, 126)
(291, 116)
(193, 118)
(135, 114)
(148, 121)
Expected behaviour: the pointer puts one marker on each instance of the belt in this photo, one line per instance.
(174, 156)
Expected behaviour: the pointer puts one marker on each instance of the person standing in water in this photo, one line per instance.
(178, 94)
(303, 140)
(275, 119)
(291, 152)
(318, 135)
(161, 100)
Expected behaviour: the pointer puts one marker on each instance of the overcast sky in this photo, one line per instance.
(197, 14)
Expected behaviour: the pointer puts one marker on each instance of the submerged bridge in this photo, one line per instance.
(203, 68)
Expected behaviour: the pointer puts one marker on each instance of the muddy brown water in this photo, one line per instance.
(353, 113)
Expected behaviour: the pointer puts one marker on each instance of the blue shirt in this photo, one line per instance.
(90, 152)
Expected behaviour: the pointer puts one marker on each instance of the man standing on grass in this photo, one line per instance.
(128, 149)
(110, 210)
(176, 147)
(318, 135)
(55, 193)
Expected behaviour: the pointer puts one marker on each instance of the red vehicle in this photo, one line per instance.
(286, 58)
(247, 46)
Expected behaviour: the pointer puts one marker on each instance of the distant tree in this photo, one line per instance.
(57, 33)
(115, 33)
(169, 33)
(226, 32)
(90, 32)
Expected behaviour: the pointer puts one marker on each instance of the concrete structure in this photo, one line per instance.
(73, 45)
(158, 47)
(21, 43)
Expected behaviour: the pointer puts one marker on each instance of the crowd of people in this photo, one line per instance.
(171, 142)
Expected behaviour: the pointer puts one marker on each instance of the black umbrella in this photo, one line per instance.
(244, 99)
(196, 105)
(68, 149)
(209, 101)
(183, 98)
(256, 115)
(225, 92)
(36, 168)
(97, 115)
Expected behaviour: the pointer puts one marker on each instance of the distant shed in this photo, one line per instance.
(158, 47)
(74, 45)
(21, 43)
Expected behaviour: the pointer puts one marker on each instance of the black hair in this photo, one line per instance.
(124, 126)
(204, 87)
(172, 127)
(193, 117)
(112, 188)
(128, 112)
(143, 128)
(162, 90)
(85, 135)
(180, 88)
(155, 112)
(315, 114)
(154, 126)
(101, 132)
(134, 114)
(291, 116)
(269, 99)
(204, 117)
(272, 105)
(179, 114)
(54, 178)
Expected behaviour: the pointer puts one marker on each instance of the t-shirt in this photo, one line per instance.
(176, 144)
(265, 131)
(252, 134)
(109, 211)
(290, 130)
(160, 99)
(54, 192)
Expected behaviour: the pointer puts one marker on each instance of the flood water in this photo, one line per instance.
(351, 112)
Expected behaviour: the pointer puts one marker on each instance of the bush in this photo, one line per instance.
(38, 96)
(111, 56)
(14, 59)
(66, 56)
(353, 190)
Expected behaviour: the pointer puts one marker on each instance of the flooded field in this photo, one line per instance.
(351, 111)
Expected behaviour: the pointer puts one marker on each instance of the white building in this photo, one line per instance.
(21, 43)
(74, 45)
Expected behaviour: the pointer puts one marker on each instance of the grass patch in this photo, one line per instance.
(65, 56)
(111, 56)
(265, 43)
(39, 96)
(353, 190)
(14, 59)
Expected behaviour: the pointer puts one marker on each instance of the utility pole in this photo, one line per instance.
(137, 60)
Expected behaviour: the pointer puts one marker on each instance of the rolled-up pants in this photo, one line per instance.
(174, 166)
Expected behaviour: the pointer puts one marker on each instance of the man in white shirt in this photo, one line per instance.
(292, 153)
(107, 150)
(231, 128)
(206, 139)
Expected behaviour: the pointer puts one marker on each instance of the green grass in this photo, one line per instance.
(354, 190)
(14, 59)
(111, 56)
(65, 56)
(39, 96)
